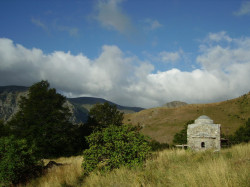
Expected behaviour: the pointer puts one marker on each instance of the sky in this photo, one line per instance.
(132, 52)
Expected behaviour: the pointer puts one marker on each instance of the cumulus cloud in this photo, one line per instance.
(110, 15)
(127, 80)
(244, 9)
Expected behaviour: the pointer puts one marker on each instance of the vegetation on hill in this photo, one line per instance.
(181, 137)
(242, 134)
(162, 123)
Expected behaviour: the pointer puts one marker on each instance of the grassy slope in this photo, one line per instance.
(229, 167)
(162, 123)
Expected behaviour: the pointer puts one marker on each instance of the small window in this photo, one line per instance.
(202, 144)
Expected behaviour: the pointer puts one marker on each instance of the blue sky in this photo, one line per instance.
(132, 52)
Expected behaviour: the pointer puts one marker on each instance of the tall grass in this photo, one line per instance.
(57, 176)
(229, 167)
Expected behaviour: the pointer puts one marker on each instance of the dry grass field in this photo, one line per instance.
(228, 168)
(162, 123)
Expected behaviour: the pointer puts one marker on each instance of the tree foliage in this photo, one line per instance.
(44, 120)
(115, 146)
(242, 134)
(4, 129)
(181, 137)
(103, 115)
(17, 160)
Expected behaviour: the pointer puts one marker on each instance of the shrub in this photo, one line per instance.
(17, 160)
(115, 146)
(157, 146)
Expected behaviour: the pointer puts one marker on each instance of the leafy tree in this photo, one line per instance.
(181, 137)
(115, 146)
(242, 134)
(103, 115)
(4, 129)
(44, 120)
(17, 161)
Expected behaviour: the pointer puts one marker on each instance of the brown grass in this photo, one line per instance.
(57, 176)
(227, 168)
(162, 123)
(230, 167)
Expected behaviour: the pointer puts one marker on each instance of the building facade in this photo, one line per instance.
(204, 134)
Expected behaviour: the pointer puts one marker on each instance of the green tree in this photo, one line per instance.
(17, 161)
(115, 146)
(242, 134)
(181, 137)
(103, 115)
(4, 129)
(43, 120)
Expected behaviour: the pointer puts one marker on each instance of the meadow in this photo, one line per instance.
(171, 167)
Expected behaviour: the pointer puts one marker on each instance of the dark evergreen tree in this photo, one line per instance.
(103, 115)
(43, 120)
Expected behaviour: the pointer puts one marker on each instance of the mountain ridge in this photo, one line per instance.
(80, 106)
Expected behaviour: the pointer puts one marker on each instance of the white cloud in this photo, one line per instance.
(111, 16)
(217, 37)
(165, 56)
(153, 24)
(127, 80)
(244, 9)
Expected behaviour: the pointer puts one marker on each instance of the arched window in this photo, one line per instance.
(202, 144)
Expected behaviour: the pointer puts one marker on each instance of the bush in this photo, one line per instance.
(17, 160)
(157, 146)
(115, 146)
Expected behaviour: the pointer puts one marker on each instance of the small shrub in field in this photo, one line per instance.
(17, 160)
(115, 146)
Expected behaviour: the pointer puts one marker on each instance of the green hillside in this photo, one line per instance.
(162, 123)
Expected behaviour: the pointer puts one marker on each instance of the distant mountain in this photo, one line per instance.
(87, 102)
(174, 104)
(13, 89)
(10, 96)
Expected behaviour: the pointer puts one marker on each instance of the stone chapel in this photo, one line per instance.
(204, 134)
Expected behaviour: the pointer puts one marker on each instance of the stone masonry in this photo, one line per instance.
(203, 134)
